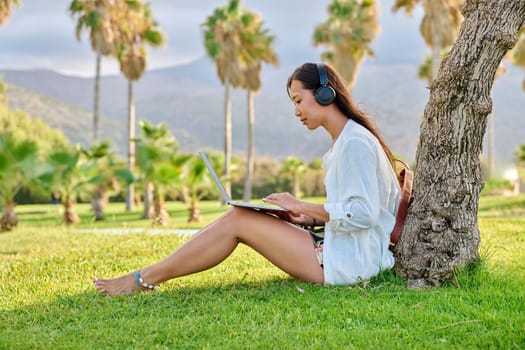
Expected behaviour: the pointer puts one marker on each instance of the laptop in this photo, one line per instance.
(226, 197)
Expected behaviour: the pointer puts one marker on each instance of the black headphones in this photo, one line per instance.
(325, 94)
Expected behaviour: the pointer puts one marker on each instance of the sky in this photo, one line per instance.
(41, 34)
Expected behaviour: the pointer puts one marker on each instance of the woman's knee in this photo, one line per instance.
(238, 219)
(239, 214)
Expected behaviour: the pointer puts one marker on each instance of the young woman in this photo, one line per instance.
(359, 214)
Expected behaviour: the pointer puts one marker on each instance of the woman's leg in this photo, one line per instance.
(287, 246)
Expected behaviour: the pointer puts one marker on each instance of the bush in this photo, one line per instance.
(495, 187)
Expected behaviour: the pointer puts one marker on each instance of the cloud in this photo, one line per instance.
(41, 34)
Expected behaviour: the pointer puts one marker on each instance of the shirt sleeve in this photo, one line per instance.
(357, 183)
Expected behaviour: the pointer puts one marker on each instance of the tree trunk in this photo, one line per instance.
(436, 60)
(161, 214)
(96, 97)
(130, 197)
(441, 230)
(194, 212)
(227, 137)
(9, 219)
(185, 195)
(70, 217)
(149, 212)
(347, 64)
(250, 156)
(99, 200)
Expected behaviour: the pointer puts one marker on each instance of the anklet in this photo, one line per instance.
(139, 281)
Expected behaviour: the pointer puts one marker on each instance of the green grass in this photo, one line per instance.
(47, 300)
(498, 206)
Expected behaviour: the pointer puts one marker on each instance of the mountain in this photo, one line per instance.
(189, 99)
(75, 122)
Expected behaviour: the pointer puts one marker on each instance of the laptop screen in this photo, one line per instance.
(225, 196)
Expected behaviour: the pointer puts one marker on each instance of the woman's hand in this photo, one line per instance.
(288, 201)
(300, 213)
(297, 219)
(285, 200)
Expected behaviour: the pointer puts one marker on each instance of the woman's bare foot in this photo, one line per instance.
(123, 285)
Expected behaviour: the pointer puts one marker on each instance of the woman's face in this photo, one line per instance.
(306, 107)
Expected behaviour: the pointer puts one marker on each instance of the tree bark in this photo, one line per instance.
(9, 219)
(227, 137)
(194, 212)
(441, 231)
(70, 216)
(130, 197)
(161, 214)
(96, 98)
(99, 200)
(436, 60)
(149, 211)
(247, 196)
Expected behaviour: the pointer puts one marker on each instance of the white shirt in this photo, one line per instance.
(362, 200)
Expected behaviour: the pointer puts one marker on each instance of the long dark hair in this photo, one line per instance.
(309, 77)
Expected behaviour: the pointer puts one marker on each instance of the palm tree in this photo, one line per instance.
(349, 30)
(94, 17)
(197, 179)
(253, 76)
(294, 167)
(111, 172)
(159, 165)
(258, 43)
(5, 9)
(439, 28)
(439, 25)
(223, 37)
(135, 28)
(449, 121)
(68, 173)
(17, 168)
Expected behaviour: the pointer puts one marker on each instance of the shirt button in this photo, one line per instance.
(348, 215)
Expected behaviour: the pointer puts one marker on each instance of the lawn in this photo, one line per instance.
(47, 300)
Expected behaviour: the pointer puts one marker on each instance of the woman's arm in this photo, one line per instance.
(354, 183)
